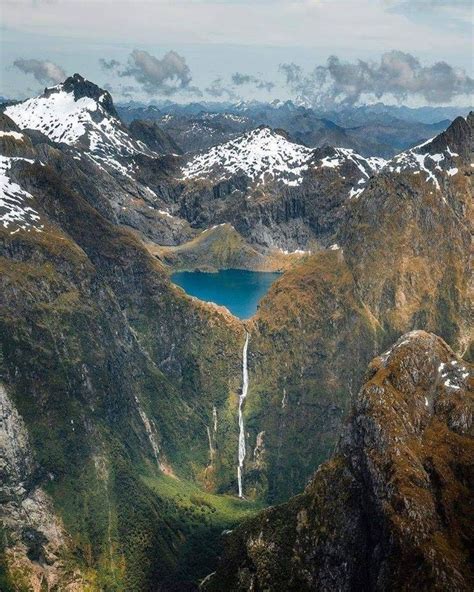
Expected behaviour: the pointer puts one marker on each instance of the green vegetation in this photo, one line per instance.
(201, 518)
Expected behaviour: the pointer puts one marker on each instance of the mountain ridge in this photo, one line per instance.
(382, 513)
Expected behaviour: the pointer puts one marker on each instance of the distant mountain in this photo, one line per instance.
(374, 130)
(380, 113)
(205, 129)
(132, 111)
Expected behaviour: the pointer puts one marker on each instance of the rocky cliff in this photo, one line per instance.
(111, 383)
(401, 262)
(392, 509)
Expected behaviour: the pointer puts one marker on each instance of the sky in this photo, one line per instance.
(320, 52)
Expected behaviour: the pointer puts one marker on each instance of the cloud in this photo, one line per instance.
(121, 90)
(108, 64)
(431, 4)
(218, 90)
(240, 79)
(398, 74)
(167, 76)
(44, 71)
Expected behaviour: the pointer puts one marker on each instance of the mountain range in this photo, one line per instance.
(374, 130)
(120, 394)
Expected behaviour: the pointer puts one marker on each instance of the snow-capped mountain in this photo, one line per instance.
(80, 114)
(437, 157)
(264, 155)
(275, 191)
(261, 155)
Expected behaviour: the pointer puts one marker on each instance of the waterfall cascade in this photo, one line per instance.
(243, 395)
(150, 431)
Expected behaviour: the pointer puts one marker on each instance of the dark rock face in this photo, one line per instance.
(458, 138)
(393, 508)
(154, 137)
(85, 88)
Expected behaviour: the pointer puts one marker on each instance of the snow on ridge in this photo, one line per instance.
(63, 119)
(58, 115)
(367, 166)
(255, 154)
(12, 134)
(14, 210)
(263, 154)
(418, 161)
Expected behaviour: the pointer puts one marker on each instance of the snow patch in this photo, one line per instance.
(14, 211)
(15, 135)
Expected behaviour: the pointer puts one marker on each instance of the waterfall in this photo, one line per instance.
(243, 395)
(211, 447)
(150, 432)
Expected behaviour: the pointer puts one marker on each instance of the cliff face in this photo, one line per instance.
(114, 375)
(401, 262)
(392, 510)
(37, 541)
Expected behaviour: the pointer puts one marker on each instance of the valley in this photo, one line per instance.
(152, 427)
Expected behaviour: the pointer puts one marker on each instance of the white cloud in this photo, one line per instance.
(370, 25)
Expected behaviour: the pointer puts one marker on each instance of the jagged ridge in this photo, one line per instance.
(391, 510)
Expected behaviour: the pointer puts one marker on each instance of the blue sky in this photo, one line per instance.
(216, 39)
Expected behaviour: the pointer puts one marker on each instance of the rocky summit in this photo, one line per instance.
(144, 433)
(390, 509)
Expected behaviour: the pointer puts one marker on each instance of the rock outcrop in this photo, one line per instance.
(393, 508)
(38, 544)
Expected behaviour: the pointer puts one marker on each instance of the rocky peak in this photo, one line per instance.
(383, 513)
(80, 114)
(81, 88)
(457, 138)
(442, 156)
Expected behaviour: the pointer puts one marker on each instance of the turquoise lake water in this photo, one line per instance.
(240, 291)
